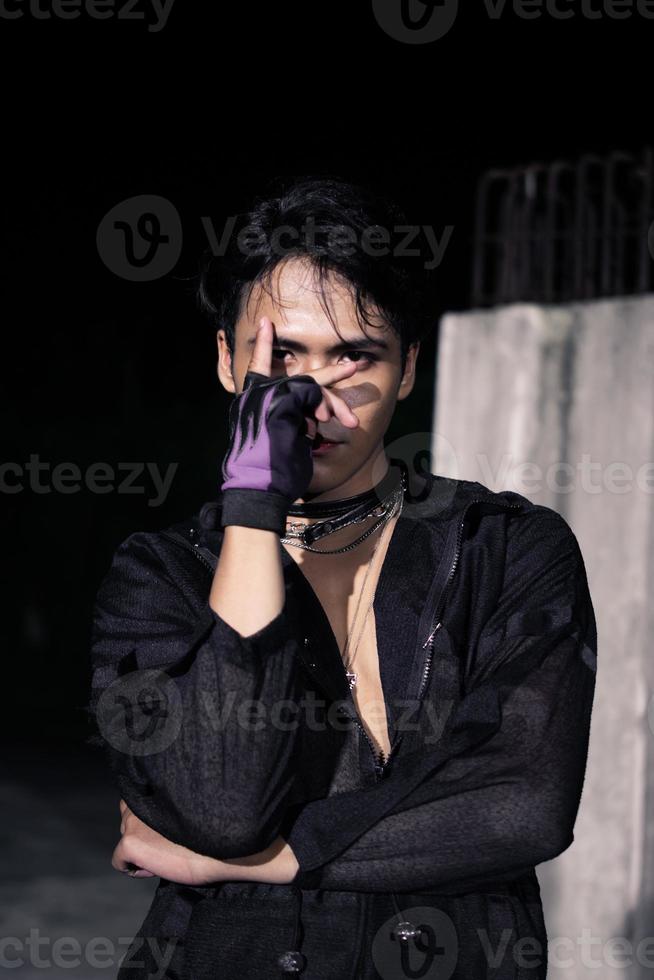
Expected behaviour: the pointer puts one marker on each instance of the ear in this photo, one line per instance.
(224, 367)
(409, 376)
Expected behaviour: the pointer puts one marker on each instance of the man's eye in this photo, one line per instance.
(278, 353)
(357, 354)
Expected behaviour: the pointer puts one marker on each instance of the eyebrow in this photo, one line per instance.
(365, 343)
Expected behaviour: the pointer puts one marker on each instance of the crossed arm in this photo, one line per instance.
(500, 790)
(173, 692)
(144, 853)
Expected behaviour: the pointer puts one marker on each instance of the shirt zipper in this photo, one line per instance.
(429, 642)
(380, 762)
(378, 756)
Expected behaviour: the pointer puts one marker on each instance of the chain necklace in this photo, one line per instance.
(296, 533)
(351, 675)
(390, 509)
(380, 511)
(358, 512)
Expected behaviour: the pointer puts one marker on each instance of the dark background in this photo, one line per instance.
(98, 368)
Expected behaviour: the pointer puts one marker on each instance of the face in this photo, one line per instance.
(305, 340)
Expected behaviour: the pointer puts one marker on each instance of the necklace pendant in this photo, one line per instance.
(295, 530)
(351, 677)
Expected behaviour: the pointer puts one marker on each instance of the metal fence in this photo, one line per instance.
(562, 231)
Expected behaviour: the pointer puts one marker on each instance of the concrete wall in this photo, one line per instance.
(575, 385)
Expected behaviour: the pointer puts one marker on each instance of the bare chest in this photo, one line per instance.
(351, 616)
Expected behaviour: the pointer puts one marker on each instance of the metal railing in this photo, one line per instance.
(563, 231)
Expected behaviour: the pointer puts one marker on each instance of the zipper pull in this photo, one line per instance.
(431, 635)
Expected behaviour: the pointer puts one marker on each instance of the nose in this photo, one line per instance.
(308, 363)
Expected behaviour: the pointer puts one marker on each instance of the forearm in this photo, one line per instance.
(248, 586)
(494, 831)
(220, 785)
(143, 848)
(274, 865)
(201, 769)
(501, 788)
(502, 805)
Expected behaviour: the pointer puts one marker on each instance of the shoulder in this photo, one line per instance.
(156, 560)
(541, 573)
(523, 523)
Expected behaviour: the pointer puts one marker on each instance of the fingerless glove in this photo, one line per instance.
(268, 462)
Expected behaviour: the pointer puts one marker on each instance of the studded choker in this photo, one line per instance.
(332, 515)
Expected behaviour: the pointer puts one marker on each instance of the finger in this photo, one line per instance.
(326, 410)
(118, 858)
(332, 373)
(261, 360)
(122, 860)
(313, 400)
(340, 409)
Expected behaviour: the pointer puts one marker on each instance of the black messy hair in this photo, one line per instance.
(391, 285)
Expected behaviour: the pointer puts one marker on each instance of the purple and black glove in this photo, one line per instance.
(268, 463)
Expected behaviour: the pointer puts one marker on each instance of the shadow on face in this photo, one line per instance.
(305, 319)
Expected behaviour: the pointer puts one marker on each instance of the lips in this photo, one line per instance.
(321, 445)
(319, 440)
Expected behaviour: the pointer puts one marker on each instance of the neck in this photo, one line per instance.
(336, 516)
(360, 482)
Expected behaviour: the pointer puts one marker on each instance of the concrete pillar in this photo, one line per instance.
(574, 385)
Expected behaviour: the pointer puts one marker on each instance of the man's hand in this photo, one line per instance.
(268, 464)
(144, 853)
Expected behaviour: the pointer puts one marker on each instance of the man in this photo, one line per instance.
(376, 703)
